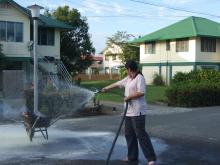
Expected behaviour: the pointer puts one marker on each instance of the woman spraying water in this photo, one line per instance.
(135, 132)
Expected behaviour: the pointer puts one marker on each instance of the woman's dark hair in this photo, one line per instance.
(132, 65)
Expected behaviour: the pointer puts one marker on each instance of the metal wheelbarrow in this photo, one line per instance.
(34, 123)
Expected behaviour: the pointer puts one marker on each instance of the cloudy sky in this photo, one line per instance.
(136, 17)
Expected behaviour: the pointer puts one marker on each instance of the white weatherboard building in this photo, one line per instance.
(190, 44)
(112, 62)
(16, 37)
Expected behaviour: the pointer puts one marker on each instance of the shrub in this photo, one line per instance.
(194, 95)
(158, 80)
(196, 76)
(193, 89)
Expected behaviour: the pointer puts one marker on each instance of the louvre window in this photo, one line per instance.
(106, 58)
(114, 57)
(150, 48)
(168, 45)
(182, 45)
(208, 45)
(45, 36)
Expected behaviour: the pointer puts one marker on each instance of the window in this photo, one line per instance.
(208, 45)
(106, 58)
(45, 36)
(209, 67)
(167, 45)
(19, 32)
(150, 48)
(2, 31)
(114, 57)
(182, 45)
(11, 31)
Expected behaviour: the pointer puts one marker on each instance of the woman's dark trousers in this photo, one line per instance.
(134, 132)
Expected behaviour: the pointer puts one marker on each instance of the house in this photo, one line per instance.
(96, 67)
(16, 37)
(190, 44)
(112, 61)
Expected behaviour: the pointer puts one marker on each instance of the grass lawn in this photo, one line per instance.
(154, 93)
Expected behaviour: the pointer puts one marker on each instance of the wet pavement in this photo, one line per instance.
(184, 137)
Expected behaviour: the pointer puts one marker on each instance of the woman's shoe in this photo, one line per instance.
(125, 159)
(151, 163)
(128, 160)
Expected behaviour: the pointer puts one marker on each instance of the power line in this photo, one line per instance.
(124, 15)
(130, 16)
(173, 8)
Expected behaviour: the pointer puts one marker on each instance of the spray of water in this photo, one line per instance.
(12, 109)
(63, 101)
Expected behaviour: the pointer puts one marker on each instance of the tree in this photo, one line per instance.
(129, 51)
(76, 46)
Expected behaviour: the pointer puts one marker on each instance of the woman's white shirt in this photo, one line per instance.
(136, 107)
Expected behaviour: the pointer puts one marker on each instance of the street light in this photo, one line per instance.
(35, 13)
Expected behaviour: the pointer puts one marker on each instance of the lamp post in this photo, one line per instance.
(35, 13)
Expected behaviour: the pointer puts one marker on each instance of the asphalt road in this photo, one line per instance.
(180, 136)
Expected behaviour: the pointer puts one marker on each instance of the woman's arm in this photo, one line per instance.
(107, 88)
(114, 85)
(134, 96)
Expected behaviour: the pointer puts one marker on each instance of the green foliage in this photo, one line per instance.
(158, 80)
(122, 72)
(121, 38)
(194, 94)
(197, 76)
(76, 45)
(130, 52)
(197, 88)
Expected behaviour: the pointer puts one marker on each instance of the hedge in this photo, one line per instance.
(194, 89)
(194, 94)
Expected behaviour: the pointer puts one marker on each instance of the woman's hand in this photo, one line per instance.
(127, 98)
(104, 90)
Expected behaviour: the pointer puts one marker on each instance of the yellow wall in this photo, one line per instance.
(47, 50)
(162, 55)
(16, 49)
(20, 49)
(207, 56)
(148, 73)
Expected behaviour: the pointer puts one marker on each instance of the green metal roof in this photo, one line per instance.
(189, 27)
(49, 22)
(44, 20)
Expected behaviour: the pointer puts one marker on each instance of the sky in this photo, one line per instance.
(136, 17)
